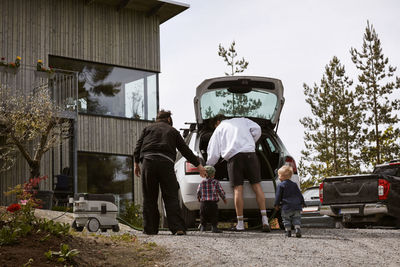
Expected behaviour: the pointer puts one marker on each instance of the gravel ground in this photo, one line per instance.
(319, 247)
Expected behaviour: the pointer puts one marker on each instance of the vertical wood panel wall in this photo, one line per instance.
(35, 29)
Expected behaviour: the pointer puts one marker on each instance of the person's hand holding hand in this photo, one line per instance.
(137, 169)
(202, 170)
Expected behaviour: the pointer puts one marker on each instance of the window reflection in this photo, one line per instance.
(101, 174)
(113, 91)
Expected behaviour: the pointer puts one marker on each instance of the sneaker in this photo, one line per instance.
(202, 228)
(215, 229)
(266, 228)
(180, 232)
(298, 232)
(288, 233)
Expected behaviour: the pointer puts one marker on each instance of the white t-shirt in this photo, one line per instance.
(231, 137)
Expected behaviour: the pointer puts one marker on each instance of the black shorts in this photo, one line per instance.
(244, 166)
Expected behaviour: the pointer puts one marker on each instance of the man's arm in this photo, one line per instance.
(136, 153)
(255, 129)
(213, 149)
(188, 154)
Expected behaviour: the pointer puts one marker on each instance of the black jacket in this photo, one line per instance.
(161, 138)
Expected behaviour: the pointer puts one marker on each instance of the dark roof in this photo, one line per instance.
(165, 9)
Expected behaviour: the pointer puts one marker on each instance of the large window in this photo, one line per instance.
(102, 173)
(114, 91)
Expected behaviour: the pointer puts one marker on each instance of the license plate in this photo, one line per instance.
(310, 209)
(349, 211)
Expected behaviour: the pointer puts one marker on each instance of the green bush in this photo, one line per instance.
(132, 213)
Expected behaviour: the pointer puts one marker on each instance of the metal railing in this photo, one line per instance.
(62, 84)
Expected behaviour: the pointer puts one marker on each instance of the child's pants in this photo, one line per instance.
(291, 217)
(209, 212)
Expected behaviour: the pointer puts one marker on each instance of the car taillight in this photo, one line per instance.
(290, 161)
(190, 169)
(321, 192)
(383, 189)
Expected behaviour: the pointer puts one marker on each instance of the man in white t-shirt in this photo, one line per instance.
(234, 140)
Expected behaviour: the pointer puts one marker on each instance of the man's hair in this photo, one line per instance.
(163, 115)
(285, 171)
(218, 117)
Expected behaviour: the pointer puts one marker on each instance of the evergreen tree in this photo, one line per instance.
(376, 86)
(229, 56)
(333, 131)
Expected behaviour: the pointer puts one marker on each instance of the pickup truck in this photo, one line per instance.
(364, 199)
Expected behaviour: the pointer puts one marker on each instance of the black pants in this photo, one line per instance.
(209, 212)
(161, 173)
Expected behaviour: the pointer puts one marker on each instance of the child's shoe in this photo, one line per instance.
(288, 233)
(298, 232)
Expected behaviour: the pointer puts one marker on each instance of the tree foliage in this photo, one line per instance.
(352, 129)
(375, 88)
(333, 131)
(229, 55)
(30, 124)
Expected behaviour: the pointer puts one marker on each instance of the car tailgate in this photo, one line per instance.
(350, 189)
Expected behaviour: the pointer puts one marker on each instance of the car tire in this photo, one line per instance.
(93, 225)
(189, 217)
(76, 227)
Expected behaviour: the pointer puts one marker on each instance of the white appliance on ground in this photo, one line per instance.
(95, 211)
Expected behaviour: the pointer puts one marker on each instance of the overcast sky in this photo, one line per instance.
(289, 40)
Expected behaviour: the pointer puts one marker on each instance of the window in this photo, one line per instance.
(256, 104)
(102, 173)
(114, 91)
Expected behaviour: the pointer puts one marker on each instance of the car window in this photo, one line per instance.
(393, 170)
(271, 145)
(256, 104)
(311, 194)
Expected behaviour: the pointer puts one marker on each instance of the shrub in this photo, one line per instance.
(132, 214)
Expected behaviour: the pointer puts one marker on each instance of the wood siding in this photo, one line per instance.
(113, 136)
(35, 29)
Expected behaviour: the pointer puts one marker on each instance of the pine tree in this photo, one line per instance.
(333, 130)
(376, 85)
(229, 56)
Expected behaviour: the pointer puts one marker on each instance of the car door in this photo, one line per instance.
(260, 98)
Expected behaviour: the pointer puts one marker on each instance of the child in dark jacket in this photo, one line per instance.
(207, 193)
(289, 198)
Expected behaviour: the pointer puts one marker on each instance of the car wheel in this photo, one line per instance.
(93, 225)
(189, 217)
(76, 227)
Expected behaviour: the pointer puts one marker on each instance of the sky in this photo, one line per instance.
(291, 40)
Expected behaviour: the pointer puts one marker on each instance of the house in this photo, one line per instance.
(106, 54)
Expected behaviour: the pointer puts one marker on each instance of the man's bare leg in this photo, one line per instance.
(238, 200)
(259, 195)
(261, 204)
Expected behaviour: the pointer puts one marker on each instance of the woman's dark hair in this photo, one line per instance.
(163, 115)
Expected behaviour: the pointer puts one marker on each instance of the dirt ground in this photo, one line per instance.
(94, 250)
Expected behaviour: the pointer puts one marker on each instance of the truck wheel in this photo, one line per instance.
(76, 227)
(93, 225)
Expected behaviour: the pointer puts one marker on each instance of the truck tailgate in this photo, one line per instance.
(351, 189)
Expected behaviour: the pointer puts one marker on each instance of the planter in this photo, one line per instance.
(44, 74)
(12, 70)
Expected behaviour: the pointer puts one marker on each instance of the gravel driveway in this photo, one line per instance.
(318, 247)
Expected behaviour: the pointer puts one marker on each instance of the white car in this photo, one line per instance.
(257, 98)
